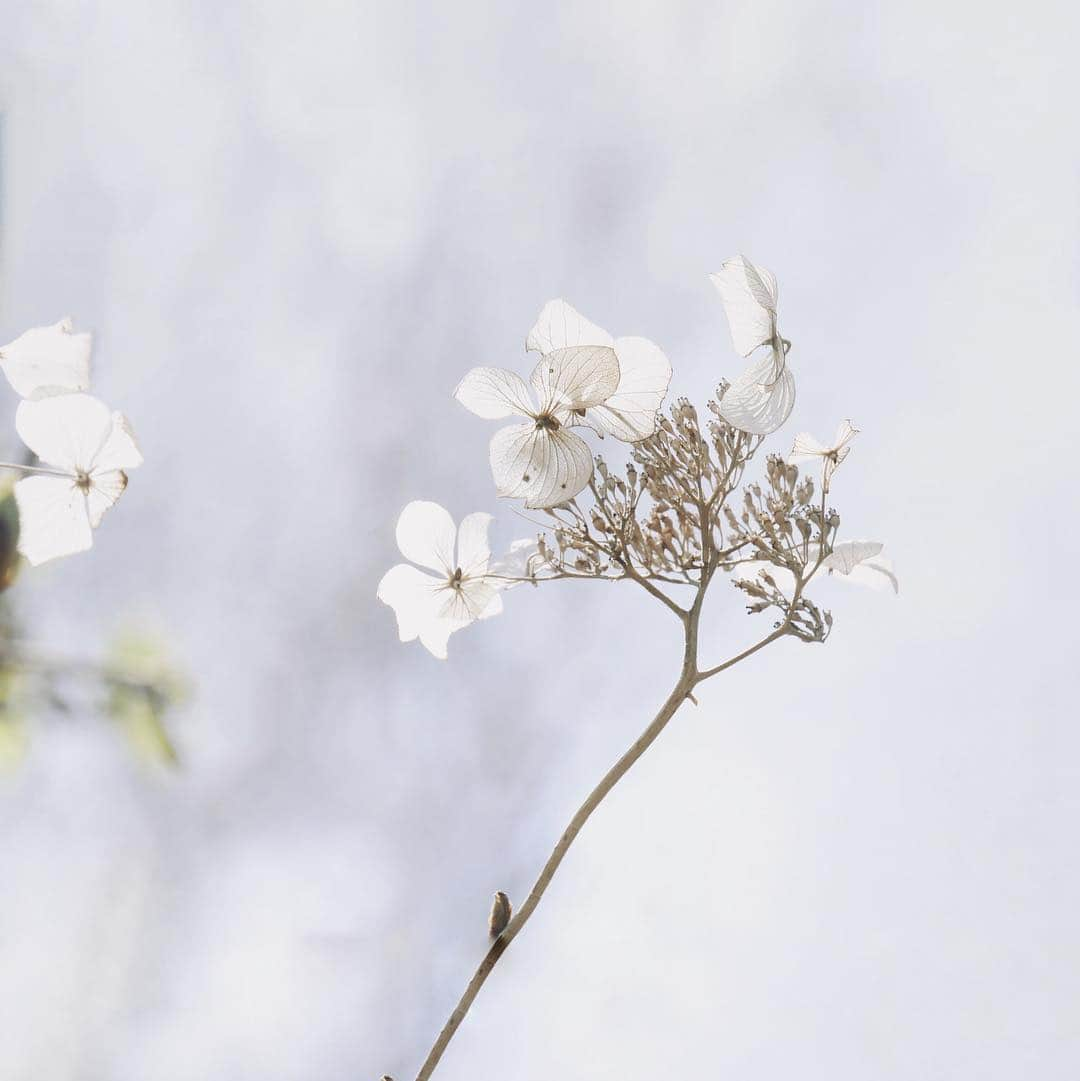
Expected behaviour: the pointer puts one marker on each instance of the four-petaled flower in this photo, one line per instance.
(629, 414)
(47, 360)
(432, 607)
(762, 397)
(89, 447)
(806, 448)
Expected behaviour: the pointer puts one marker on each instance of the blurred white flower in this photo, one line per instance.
(762, 397)
(630, 412)
(88, 448)
(47, 360)
(806, 448)
(861, 562)
(520, 564)
(432, 607)
(542, 462)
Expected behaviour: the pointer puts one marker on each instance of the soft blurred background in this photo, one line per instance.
(291, 229)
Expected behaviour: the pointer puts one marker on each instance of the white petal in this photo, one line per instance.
(47, 359)
(749, 295)
(758, 401)
(876, 572)
(414, 596)
(542, 466)
(435, 634)
(559, 325)
(105, 490)
(425, 534)
(644, 374)
(806, 447)
(477, 599)
(473, 552)
(53, 518)
(67, 430)
(849, 554)
(494, 393)
(576, 377)
(120, 450)
(520, 562)
(845, 434)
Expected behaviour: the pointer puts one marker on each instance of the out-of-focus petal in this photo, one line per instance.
(66, 430)
(805, 448)
(494, 393)
(105, 489)
(559, 325)
(849, 554)
(473, 551)
(53, 518)
(414, 596)
(749, 295)
(759, 401)
(120, 450)
(520, 562)
(863, 563)
(576, 377)
(47, 359)
(644, 374)
(426, 534)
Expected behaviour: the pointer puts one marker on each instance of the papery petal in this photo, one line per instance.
(475, 599)
(559, 326)
(426, 534)
(473, 552)
(120, 450)
(759, 401)
(47, 359)
(805, 448)
(749, 295)
(876, 572)
(644, 374)
(845, 433)
(494, 393)
(105, 489)
(67, 430)
(415, 597)
(435, 634)
(53, 518)
(576, 377)
(849, 554)
(520, 562)
(544, 467)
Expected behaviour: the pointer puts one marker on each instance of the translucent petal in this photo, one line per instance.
(47, 359)
(67, 430)
(473, 552)
(758, 401)
(53, 518)
(476, 599)
(494, 393)
(105, 489)
(749, 295)
(559, 325)
(414, 596)
(875, 572)
(120, 450)
(426, 534)
(644, 374)
(849, 554)
(576, 377)
(845, 433)
(435, 634)
(544, 467)
(806, 447)
(520, 562)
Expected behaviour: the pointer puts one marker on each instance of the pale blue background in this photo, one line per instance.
(292, 228)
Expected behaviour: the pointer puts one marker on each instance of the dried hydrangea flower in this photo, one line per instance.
(762, 397)
(89, 448)
(47, 360)
(629, 414)
(432, 607)
(806, 448)
(542, 462)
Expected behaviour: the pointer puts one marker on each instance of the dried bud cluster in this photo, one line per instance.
(670, 517)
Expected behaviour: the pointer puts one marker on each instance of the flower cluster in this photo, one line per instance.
(83, 448)
(668, 517)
